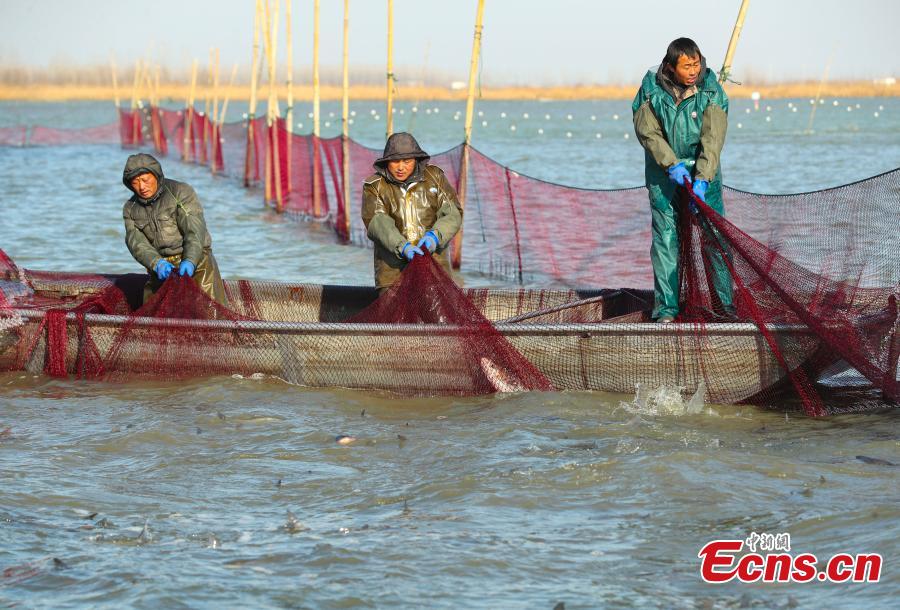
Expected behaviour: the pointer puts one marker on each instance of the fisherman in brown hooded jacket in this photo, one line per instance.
(164, 228)
(408, 206)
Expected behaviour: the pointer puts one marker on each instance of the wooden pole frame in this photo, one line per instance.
(273, 114)
(289, 111)
(316, 199)
(345, 119)
(389, 111)
(231, 80)
(152, 98)
(156, 78)
(134, 84)
(725, 72)
(267, 41)
(189, 116)
(214, 125)
(815, 104)
(462, 183)
(317, 94)
(115, 82)
(135, 118)
(251, 108)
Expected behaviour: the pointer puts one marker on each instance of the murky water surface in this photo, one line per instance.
(232, 492)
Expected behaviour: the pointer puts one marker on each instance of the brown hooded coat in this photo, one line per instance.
(396, 213)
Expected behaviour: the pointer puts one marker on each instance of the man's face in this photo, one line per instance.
(401, 169)
(687, 70)
(145, 185)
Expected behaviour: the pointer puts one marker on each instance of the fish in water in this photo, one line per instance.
(344, 439)
(145, 535)
(22, 572)
(502, 380)
(874, 461)
(293, 524)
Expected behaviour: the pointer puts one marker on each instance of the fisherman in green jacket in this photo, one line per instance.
(408, 206)
(680, 118)
(164, 228)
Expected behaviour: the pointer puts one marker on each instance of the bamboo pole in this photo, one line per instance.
(146, 84)
(462, 184)
(215, 104)
(725, 72)
(271, 47)
(214, 125)
(156, 75)
(345, 119)
(135, 118)
(134, 84)
(189, 116)
(231, 80)
(316, 200)
(316, 90)
(157, 119)
(267, 166)
(204, 157)
(812, 112)
(273, 80)
(145, 89)
(389, 118)
(289, 114)
(251, 108)
(151, 98)
(115, 82)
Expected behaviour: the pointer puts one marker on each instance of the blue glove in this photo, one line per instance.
(163, 268)
(429, 242)
(186, 268)
(677, 174)
(700, 187)
(410, 251)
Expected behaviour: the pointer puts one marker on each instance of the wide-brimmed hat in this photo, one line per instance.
(401, 146)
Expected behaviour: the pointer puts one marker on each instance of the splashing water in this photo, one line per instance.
(666, 400)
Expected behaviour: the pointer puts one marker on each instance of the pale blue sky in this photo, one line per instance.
(525, 41)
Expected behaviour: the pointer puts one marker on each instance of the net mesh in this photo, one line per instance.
(815, 280)
(846, 305)
(461, 348)
(13, 136)
(426, 336)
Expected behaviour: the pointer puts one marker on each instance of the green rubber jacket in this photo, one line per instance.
(692, 131)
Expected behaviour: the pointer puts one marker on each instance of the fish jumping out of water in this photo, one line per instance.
(501, 379)
(293, 524)
(145, 536)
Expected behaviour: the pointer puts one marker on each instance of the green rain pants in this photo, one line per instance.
(664, 250)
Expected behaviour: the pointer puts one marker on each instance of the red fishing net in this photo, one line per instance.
(131, 128)
(426, 336)
(815, 280)
(458, 351)
(838, 315)
(13, 136)
(47, 136)
(179, 333)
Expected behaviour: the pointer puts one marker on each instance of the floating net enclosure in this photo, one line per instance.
(815, 278)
